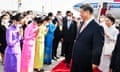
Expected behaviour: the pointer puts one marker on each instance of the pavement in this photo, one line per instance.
(47, 68)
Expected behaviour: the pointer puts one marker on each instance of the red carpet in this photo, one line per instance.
(61, 67)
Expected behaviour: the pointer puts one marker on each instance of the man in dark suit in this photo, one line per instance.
(89, 43)
(115, 61)
(69, 34)
(57, 34)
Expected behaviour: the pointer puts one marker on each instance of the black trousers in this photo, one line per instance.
(117, 69)
(68, 45)
(76, 67)
(55, 46)
(63, 50)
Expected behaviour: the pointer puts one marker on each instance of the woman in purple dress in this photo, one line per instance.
(13, 50)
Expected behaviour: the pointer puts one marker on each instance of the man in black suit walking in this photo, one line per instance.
(69, 34)
(115, 61)
(57, 34)
(89, 42)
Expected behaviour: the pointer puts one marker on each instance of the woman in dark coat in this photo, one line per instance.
(3, 26)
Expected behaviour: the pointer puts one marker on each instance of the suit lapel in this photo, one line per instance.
(66, 25)
(87, 27)
(79, 29)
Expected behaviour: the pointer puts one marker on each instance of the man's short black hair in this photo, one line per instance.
(50, 14)
(68, 12)
(59, 12)
(87, 7)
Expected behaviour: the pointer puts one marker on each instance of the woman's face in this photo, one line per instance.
(45, 22)
(5, 19)
(8, 16)
(39, 24)
(16, 22)
(22, 21)
(108, 22)
(35, 23)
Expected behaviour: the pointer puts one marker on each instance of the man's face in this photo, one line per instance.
(59, 14)
(84, 14)
(69, 16)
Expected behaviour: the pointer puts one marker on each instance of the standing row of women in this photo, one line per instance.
(36, 48)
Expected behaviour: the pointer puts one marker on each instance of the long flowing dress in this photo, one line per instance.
(108, 47)
(48, 43)
(39, 47)
(28, 52)
(13, 50)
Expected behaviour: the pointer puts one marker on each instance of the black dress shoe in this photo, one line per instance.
(42, 70)
(54, 59)
(57, 57)
(62, 55)
(35, 70)
(49, 63)
(39, 70)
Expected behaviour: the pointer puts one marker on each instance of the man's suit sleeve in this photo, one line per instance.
(114, 54)
(98, 42)
(63, 27)
(0, 35)
(75, 30)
